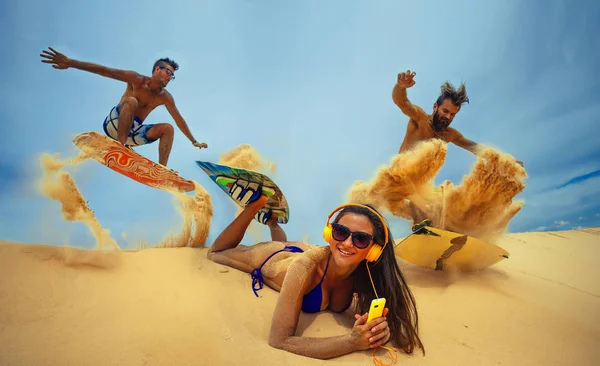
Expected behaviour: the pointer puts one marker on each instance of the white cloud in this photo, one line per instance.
(558, 206)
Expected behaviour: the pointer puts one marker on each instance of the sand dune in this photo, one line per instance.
(171, 306)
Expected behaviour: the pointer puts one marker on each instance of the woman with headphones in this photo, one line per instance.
(358, 265)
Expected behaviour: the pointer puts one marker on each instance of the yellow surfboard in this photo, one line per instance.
(439, 249)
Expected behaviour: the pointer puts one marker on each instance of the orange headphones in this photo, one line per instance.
(376, 250)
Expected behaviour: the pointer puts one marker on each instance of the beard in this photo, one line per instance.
(438, 123)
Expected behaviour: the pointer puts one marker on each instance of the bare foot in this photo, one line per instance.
(124, 145)
(259, 203)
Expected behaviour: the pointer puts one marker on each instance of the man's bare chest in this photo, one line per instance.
(426, 131)
(147, 99)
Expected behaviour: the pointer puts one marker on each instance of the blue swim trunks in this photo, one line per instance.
(137, 134)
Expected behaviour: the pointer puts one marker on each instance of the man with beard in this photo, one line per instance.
(125, 121)
(422, 126)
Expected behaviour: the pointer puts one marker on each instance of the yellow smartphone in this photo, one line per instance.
(376, 310)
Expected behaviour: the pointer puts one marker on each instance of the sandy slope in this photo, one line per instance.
(62, 306)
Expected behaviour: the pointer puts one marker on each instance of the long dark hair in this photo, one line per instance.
(389, 282)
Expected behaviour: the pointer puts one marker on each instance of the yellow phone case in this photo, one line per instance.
(376, 310)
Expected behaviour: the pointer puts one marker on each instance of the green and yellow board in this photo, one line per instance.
(244, 186)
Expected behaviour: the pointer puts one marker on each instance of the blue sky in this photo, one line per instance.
(309, 86)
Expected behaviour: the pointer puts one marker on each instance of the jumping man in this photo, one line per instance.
(422, 126)
(125, 122)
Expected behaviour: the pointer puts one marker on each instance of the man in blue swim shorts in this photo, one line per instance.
(125, 121)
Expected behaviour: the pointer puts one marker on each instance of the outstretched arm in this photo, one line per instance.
(61, 62)
(458, 139)
(287, 313)
(174, 112)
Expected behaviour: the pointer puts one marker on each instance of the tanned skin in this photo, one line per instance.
(422, 126)
(295, 274)
(142, 95)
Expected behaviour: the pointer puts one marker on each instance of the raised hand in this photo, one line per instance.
(57, 59)
(405, 79)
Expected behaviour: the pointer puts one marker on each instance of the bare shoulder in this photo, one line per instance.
(421, 118)
(166, 95)
(167, 98)
(138, 79)
(452, 134)
(303, 265)
(310, 258)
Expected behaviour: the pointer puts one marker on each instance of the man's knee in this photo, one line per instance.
(165, 130)
(130, 102)
(168, 129)
(160, 130)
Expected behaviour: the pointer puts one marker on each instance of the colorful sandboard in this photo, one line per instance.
(441, 249)
(129, 163)
(244, 186)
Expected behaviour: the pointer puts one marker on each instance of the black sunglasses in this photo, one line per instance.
(360, 239)
(169, 72)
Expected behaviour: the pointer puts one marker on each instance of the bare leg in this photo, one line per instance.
(126, 113)
(234, 233)
(165, 133)
(227, 250)
(277, 233)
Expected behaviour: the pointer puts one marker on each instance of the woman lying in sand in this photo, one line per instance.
(318, 278)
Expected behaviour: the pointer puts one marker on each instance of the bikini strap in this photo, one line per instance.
(256, 274)
(325, 272)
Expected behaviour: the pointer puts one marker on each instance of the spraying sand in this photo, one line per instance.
(481, 206)
(245, 156)
(196, 211)
(60, 186)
